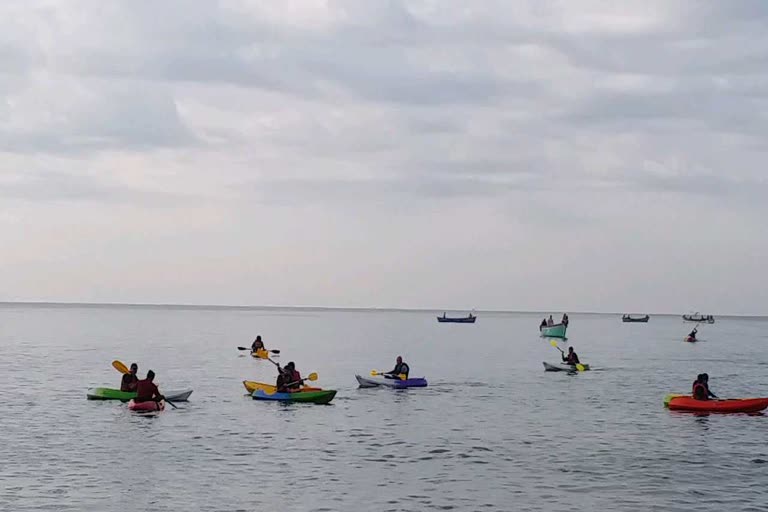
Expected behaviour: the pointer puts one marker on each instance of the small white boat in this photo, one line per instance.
(562, 367)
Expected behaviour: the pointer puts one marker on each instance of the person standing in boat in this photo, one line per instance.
(146, 390)
(565, 319)
(550, 322)
(401, 368)
(130, 380)
(571, 358)
(543, 324)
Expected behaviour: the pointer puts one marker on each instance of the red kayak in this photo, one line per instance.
(146, 406)
(688, 403)
(691, 339)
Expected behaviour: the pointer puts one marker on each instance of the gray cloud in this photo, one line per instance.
(520, 117)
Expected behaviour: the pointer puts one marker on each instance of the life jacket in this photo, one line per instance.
(700, 391)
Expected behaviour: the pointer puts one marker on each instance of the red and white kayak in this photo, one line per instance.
(688, 403)
(146, 406)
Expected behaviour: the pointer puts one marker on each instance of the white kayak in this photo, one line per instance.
(373, 382)
(562, 367)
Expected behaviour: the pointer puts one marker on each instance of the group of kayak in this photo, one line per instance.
(290, 386)
(141, 394)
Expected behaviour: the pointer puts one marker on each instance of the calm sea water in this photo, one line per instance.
(492, 432)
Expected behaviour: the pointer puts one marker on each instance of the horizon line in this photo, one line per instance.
(328, 308)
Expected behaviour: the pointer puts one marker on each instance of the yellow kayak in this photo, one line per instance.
(252, 386)
(261, 354)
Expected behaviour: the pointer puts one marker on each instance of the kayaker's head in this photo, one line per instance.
(134, 368)
(704, 377)
(570, 350)
(258, 338)
(290, 366)
(150, 375)
(399, 359)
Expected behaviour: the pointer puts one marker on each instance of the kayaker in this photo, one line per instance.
(692, 336)
(146, 390)
(400, 368)
(283, 378)
(257, 344)
(294, 377)
(130, 380)
(571, 358)
(700, 391)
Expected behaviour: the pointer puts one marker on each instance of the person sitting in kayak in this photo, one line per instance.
(257, 344)
(401, 368)
(294, 377)
(693, 334)
(571, 358)
(700, 391)
(130, 380)
(146, 390)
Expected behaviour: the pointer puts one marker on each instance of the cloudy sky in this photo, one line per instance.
(603, 156)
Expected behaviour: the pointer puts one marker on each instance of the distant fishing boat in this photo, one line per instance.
(457, 320)
(699, 319)
(553, 331)
(637, 319)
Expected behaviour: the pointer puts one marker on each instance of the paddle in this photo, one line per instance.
(312, 376)
(374, 373)
(119, 366)
(579, 366)
(169, 402)
(275, 351)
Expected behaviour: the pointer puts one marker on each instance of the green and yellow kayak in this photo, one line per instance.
(322, 396)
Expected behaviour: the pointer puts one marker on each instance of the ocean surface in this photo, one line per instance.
(492, 431)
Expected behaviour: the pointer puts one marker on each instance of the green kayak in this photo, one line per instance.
(316, 397)
(124, 396)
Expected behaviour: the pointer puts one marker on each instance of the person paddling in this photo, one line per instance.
(571, 358)
(692, 336)
(130, 380)
(294, 377)
(146, 390)
(257, 344)
(401, 368)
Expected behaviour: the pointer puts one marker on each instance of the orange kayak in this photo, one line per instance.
(688, 403)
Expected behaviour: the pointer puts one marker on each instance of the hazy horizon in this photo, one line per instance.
(522, 156)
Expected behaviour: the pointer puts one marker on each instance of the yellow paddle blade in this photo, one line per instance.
(117, 365)
(553, 343)
(403, 376)
(312, 376)
(580, 367)
(375, 373)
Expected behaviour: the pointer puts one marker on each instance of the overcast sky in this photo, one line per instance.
(600, 156)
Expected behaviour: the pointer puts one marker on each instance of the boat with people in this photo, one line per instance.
(635, 319)
(548, 328)
(470, 319)
(124, 396)
(381, 381)
(699, 319)
(679, 402)
(563, 367)
(321, 396)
